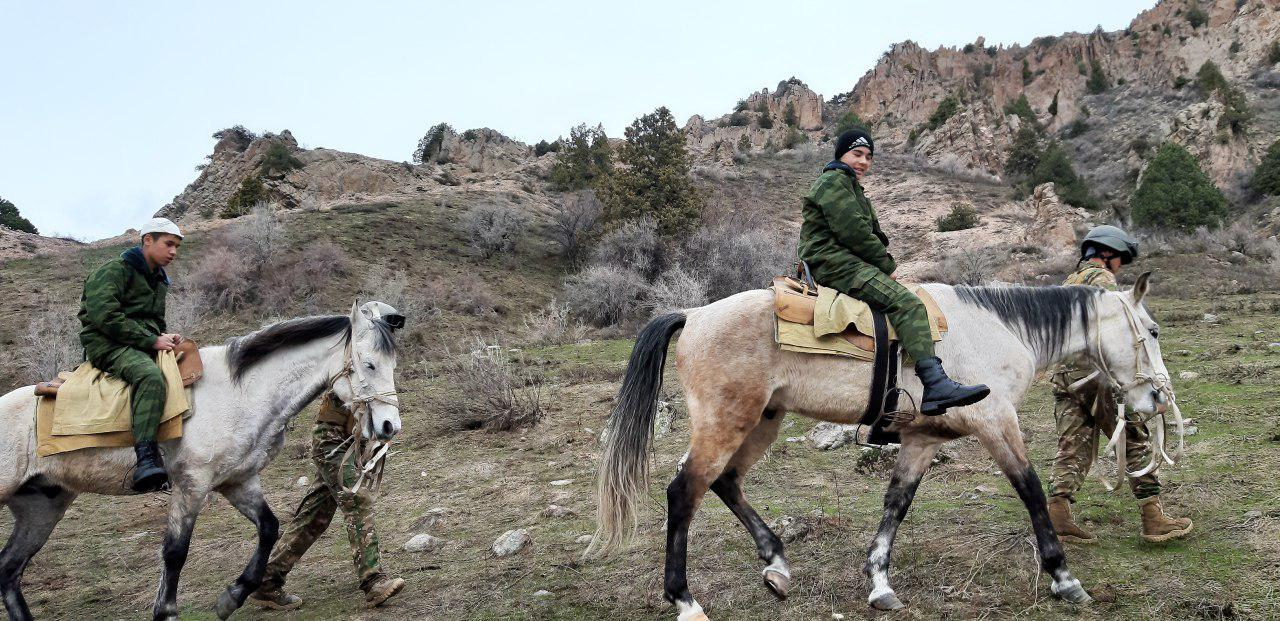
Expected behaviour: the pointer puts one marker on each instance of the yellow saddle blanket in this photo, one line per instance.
(92, 410)
(825, 321)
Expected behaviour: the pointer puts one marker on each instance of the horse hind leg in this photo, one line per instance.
(248, 500)
(1006, 447)
(717, 434)
(37, 509)
(777, 573)
(184, 507)
(914, 459)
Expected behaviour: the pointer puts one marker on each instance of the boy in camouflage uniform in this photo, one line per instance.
(1082, 415)
(122, 328)
(845, 249)
(329, 441)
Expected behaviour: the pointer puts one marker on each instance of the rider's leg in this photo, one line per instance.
(140, 371)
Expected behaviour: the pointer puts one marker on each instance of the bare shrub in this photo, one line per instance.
(574, 223)
(632, 246)
(305, 277)
(259, 235)
(470, 297)
(676, 289)
(728, 259)
(493, 229)
(971, 267)
(553, 324)
(605, 295)
(1247, 239)
(223, 278)
(185, 310)
(50, 343)
(497, 389)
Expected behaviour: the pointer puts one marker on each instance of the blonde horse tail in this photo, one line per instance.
(624, 467)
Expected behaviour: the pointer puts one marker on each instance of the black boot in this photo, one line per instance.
(149, 475)
(940, 392)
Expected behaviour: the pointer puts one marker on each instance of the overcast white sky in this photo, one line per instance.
(106, 107)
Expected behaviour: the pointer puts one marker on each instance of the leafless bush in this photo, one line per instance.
(677, 289)
(605, 295)
(185, 310)
(259, 236)
(728, 259)
(392, 287)
(971, 267)
(497, 390)
(553, 324)
(470, 296)
(223, 279)
(49, 344)
(493, 229)
(304, 278)
(1247, 239)
(574, 223)
(632, 246)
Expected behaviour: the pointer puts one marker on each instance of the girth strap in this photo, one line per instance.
(884, 382)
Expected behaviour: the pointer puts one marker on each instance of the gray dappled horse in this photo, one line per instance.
(738, 383)
(251, 388)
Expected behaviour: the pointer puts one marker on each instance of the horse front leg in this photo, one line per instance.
(913, 460)
(184, 506)
(247, 498)
(1004, 442)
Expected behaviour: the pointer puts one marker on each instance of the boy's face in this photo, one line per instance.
(859, 159)
(160, 249)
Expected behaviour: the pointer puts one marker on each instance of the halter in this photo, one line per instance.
(369, 453)
(1159, 382)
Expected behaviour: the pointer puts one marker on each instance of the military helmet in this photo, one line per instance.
(1110, 237)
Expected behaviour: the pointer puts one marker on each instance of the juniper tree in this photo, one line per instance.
(1176, 193)
(653, 181)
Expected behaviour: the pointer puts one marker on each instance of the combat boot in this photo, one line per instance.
(382, 589)
(1156, 526)
(1067, 529)
(149, 475)
(276, 600)
(941, 392)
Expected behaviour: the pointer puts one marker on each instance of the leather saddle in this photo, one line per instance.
(189, 365)
(795, 301)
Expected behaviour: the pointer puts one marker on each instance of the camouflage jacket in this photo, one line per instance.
(841, 238)
(1092, 275)
(122, 306)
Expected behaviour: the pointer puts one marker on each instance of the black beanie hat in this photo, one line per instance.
(856, 137)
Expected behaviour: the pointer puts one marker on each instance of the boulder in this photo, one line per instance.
(510, 542)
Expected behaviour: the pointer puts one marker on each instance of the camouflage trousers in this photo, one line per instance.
(1082, 418)
(316, 510)
(140, 371)
(905, 312)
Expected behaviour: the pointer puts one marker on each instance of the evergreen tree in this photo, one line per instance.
(744, 143)
(1053, 105)
(1056, 167)
(430, 143)
(654, 181)
(1176, 193)
(10, 218)
(789, 115)
(585, 159)
(1098, 81)
(1211, 82)
(1266, 177)
(1024, 154)
(1022, 108)
(848, 121)
(250, 193)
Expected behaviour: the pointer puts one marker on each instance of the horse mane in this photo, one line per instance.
(1045, 315)
(248, 350)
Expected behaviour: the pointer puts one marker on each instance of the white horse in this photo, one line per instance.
(737, 382)
(251, 387)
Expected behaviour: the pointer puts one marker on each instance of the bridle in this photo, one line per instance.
(1160, 384)
(369, 452)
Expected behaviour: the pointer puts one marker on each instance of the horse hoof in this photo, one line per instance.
(1075, 594)
(888, 601)
(778, 583)
(226, 605)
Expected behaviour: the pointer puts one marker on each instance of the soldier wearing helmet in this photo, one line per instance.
(1085, 413)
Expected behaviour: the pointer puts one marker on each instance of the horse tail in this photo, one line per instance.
(624, 467)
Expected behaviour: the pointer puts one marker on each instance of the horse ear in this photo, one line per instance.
(355, 312)
(1140, 287)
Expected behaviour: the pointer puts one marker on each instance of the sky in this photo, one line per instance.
(107, 107)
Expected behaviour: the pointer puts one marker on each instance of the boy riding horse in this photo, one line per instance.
(122, 314)
(845, 249)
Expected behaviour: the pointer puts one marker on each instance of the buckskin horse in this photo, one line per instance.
(251, 388)
(738, 382)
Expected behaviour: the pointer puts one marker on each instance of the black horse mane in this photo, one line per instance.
(248, 350)
(1045, 315)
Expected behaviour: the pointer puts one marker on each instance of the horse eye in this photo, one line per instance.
(1155, 334)
(368, 365)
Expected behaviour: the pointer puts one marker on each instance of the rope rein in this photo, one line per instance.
(1159, 382)
(370, 454)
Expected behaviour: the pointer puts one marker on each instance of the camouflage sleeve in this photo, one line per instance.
(104, 311)
(852, 225)
(1101, 278)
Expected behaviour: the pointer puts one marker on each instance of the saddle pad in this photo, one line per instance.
(49, 444)
(838, 324)
(92, 401)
